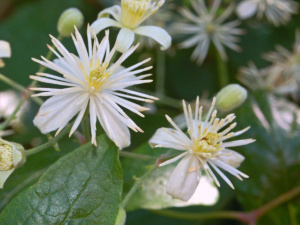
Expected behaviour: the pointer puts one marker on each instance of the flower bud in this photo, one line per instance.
(68, 19)
(12, 156)
(231, 97)
(5, 51)
(121, 218)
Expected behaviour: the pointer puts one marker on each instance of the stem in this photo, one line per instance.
(137, 156)
(86, 128)
(222, 71)
(197, 216)
(20, 88)
(160, 73)
(12, 116)
(249, 218)
(168, 101)
(136, 186)
(278, 201)
(49, 143)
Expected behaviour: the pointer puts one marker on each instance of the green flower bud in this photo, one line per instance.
(12, 156)
(231, 97)
(68, 19)
(121, 218)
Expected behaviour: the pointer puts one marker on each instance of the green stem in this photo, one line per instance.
(12, 116)
(222, 71)
(49, 143)
(86, 127)
(137, 156)
(198, 216)
(165, 100)
(20, 88)
(136, 186)
(160, 73)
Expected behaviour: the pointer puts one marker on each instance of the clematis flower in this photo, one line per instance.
(5, 51)
(129, 18)
(12, 156)
(204, 148)
(91, 82)
(205, 27)
(277, 12)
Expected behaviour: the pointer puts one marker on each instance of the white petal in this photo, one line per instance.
(4, 49)
(156, 33)
(114, 128)
(103, 23)
(57, 111)
(246, 9)
(4, 175)
(168, 138)
(237, 143)
(231, 158)
(125, 39)
(183, 180)
(114, 11)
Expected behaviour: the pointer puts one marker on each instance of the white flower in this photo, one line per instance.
(12, 156)
(5, 51)
(204, 148)
(128, 17)
(92, 82)
(276, 11)
(270, 79)
(206, 27)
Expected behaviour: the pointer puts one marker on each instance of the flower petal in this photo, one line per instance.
(114, 11)
(168, 138)
(117, 131)
(57, 111)
(232, 158)
(124, 40)
(4, 49)
(183, 180)
(156, 33)
(101, 24)
(246, 9)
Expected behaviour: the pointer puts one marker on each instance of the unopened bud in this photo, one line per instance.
(68, 19)
(121, 218)
(12, 156)
(5, 51)
(231, 97)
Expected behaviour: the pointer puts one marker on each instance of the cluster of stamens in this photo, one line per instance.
(97, 77)
(134, 12)
(6, 157)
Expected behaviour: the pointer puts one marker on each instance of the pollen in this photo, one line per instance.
(209, 143)
(134, 12)
(97, 77)
(6, 157)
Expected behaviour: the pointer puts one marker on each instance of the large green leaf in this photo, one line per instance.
(271, 162)
(83, 187)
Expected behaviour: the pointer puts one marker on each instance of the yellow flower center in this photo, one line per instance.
(210, 28)
(208, 143)
(134, 12)
(98, 76)
(6, 157)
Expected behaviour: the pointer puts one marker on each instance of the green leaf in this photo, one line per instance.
(270, 161)
(152, 194)
(83, 187)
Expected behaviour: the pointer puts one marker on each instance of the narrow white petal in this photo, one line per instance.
(231, 158)
(237, 143)
(169, 138)
(221, 174)
(5, 50)
(246, 9)
(158, 34)
(102, 24)
(114, 11)
(183, 180)
(167, 162)
(124, 40)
